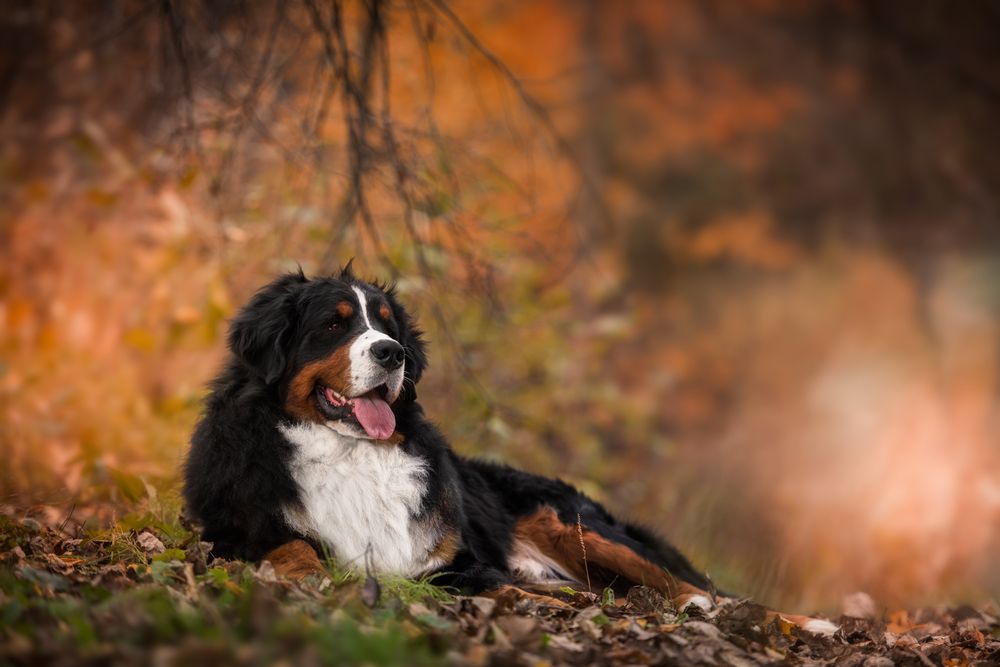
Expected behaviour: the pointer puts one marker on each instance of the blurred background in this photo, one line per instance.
(731, 268)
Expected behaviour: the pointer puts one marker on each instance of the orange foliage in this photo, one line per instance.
(803, 419)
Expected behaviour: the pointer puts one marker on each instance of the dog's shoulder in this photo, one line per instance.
(236, 473)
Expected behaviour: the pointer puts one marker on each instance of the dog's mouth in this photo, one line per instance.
(370, 410)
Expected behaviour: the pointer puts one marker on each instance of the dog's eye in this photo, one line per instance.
(339, 317)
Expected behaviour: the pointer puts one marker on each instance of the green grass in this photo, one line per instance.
(104, 598)
(414, 590)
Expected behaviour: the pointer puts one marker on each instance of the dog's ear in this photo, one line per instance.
(260, 333)
(414, 346)
(347, 271)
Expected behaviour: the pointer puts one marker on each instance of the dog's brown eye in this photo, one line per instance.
(334, 326)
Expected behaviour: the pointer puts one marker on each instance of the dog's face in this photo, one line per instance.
(343, 352)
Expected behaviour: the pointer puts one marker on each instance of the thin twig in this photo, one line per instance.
(583, 548)
(69, 516)
(176, 29)
(247, 112)
(101, 40)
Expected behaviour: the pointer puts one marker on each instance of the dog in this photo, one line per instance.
(312, 441)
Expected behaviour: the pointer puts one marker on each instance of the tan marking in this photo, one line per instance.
(447, 547)
(384, 312)
(345, 309)
(295, 560)
(396, 438)
(333, 372)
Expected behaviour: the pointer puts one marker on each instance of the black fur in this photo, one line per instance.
(237, 479)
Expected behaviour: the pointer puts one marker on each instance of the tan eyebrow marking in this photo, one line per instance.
(345, 309)
(384, 311)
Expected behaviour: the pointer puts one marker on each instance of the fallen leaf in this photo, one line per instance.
(484, 606)
(629, 656)
(858, 605)
(522, 630)
(265, 572)
(500, 638)
(150, 543)
(561, 642)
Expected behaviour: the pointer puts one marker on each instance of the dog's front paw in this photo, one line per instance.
(295, 560)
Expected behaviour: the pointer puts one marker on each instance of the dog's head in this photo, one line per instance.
(342, 352)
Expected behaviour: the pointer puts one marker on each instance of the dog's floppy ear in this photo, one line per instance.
(259, 334)
(412, 340)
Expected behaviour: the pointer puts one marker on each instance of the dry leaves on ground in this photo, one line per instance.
(147, 587)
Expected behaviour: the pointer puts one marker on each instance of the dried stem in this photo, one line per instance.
(583, 548)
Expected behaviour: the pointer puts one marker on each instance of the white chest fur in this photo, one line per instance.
(359, 497)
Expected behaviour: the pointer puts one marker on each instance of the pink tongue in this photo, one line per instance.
(375, 416)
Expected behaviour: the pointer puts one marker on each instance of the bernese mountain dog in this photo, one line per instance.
(312, 441)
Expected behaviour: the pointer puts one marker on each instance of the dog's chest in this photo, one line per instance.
(362, 500)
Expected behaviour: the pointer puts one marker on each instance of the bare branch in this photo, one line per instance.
(400, 174)
(176, 28)
(532, 104)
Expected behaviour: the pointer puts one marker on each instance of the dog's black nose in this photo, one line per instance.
(388, 354)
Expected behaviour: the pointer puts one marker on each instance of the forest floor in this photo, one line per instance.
(144, 592)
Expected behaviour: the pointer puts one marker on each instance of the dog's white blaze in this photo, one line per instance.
(365, 373)
(360, 498)
(363, 300)
(531, 566)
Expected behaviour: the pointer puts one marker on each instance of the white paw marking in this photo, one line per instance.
(529, 565)
(699, 601)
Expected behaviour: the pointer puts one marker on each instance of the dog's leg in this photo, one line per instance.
(589, 557)
(295, 560)
(582, 552)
